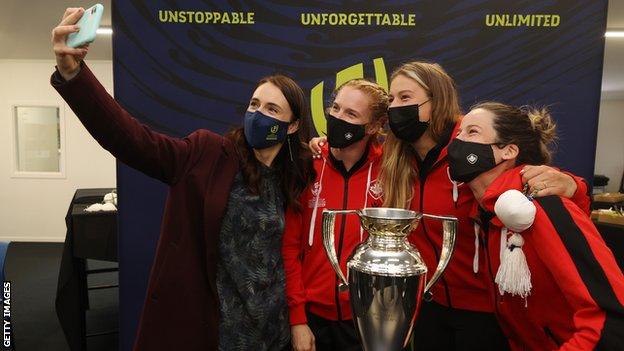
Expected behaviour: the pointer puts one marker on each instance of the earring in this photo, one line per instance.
(289, 148)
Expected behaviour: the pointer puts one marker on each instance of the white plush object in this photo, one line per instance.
(101, 207)
(515, 210)
(110, 202)
(109, 207)
(517, 213)
(111, 198)
(94, 208)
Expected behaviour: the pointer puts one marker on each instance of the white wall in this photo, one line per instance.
(34, 209)
(610, 148)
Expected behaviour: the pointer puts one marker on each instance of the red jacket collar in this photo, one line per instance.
(447, 139)
(454, 133)
(374, 152)
(510, 179)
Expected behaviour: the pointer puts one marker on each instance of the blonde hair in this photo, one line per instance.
(379, 100)
(532, 129)
(398, 166)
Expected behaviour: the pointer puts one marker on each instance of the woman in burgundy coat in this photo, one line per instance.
(217, 281)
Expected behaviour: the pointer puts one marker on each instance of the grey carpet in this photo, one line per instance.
(33, 270)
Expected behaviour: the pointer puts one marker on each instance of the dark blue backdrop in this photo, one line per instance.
(180, 77)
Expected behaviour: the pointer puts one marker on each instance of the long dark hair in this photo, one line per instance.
(294, 160)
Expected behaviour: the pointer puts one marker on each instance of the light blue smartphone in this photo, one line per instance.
(89, 23)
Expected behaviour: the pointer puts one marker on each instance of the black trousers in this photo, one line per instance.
(333, 335)
(440, 328)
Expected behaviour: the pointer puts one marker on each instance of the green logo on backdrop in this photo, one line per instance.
(343, 76)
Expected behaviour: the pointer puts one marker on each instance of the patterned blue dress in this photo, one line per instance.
(250, 273)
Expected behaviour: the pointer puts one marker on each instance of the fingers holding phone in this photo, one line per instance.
(67, 58)
(69, 11)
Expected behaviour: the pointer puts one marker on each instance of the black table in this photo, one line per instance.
(94, 233)
(613, 235)
(90, 235)
(597, 205)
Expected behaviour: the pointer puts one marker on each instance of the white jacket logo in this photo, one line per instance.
(316, 192)
(316, 189)
(375, 190)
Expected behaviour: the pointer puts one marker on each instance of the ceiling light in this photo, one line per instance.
(614, 34)
(105, 31)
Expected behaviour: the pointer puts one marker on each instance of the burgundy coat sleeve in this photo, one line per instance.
(133, 143)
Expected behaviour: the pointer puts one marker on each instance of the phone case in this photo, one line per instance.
(89, 23)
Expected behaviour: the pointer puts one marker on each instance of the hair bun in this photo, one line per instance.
(543, 124)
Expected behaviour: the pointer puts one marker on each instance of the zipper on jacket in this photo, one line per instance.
(343, 221)
(346, 175)
(485, 227)
(550, 334)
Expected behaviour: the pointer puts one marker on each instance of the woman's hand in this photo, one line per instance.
(315, 146)
(302, 338)
(545, 180)
(68, 59)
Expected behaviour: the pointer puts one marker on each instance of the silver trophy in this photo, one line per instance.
(386, 275)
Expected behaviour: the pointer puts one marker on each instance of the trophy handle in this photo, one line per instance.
(329, 220)
(449, 225)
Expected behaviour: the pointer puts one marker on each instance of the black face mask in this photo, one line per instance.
(405, 124)
(467, 160)
(341, 133)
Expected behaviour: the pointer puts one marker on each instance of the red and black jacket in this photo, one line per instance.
(577, 296)
(464, 282)
(436, 194)
(311, 283)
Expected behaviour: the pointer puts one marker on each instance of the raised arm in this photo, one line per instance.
(155, 154)
(545, 180)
